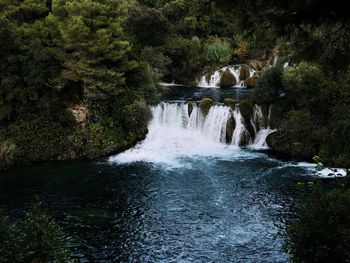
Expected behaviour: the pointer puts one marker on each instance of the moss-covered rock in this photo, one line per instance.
(205, 105)
(231, 103)
(244, 72)
(230, 127)
(227, 79)
(246, 107)
(251, 82)
(190, 106)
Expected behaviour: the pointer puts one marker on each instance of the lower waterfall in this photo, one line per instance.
(175, 131)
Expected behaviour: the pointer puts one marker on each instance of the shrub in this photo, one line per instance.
(36, 239)
(305, 86)
(36, 139)
(217, 52)
(269, 86)
(322, 231)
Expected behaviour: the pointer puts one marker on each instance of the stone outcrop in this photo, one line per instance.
(227, 79)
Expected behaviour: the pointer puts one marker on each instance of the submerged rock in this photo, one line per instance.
(227, 79)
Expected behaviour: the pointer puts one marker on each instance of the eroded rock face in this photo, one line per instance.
(227, 79)
(251, 82)
(80, 114)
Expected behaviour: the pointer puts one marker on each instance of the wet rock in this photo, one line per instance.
(80, 114)
(244, 72)
(205, 105)
(230, 127)
(251, 82)
(231, 103)
(227, 79)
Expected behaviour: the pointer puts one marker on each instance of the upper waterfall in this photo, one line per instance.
(234, 72)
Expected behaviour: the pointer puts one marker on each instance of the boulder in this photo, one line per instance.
(190, 107)
(227, 79)
(205, 105)
(251, 82)
(80, 114)
(244, 72)
(231, 103)
(256, 65)
(230, 127)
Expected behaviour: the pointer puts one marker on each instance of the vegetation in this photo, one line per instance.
(35, 239)
(321, 233)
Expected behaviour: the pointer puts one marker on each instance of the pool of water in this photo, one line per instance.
(226, 209)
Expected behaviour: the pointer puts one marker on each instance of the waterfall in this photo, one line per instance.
(261, 127)
(175, 132)
(215, 78)
(215, 123)
(196, 120)
(240, 129)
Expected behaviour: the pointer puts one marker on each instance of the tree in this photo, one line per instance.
(97, 52)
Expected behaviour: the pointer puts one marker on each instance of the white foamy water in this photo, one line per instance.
(215, 78)
(173, 135)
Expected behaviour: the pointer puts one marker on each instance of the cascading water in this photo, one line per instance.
(262, 128)
(215, 78)
(177, 132)
(240, 128)
(216, 122)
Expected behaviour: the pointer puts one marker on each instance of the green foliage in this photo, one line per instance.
(36, 139)
(322, 231)
(138, 114)
(157, 60)
(7, 153)
(186, 55)
(36, 239)
(217, 52)
(98, 54)
(305, 86)
(148, 26)
(269, 86)
(300, 136)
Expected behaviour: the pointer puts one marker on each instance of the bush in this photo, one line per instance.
(299, 136)
(269, 86)
(322, 231)
(136, 118)
(36, 239)
(217, 52)
(36, 139)
(306, 88)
